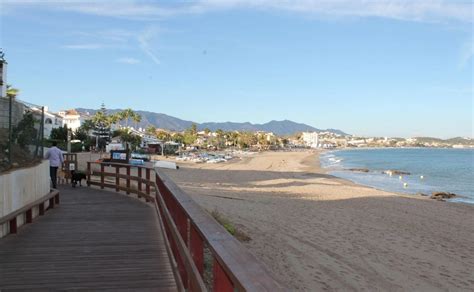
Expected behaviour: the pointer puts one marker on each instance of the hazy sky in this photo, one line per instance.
(385, 68)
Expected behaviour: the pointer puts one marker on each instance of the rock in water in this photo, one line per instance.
(440, 196)
(359, 169)
(395, 172)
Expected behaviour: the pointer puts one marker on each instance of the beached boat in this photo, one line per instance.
(166, 164)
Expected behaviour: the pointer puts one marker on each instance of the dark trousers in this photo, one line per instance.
(53, 173)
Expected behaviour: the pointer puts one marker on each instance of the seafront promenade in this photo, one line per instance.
(93, 240)
(148, 234)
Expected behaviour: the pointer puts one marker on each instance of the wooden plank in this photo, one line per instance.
(96, 240)
(240, 266)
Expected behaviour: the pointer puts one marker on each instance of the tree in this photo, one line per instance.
(163, 135)
(81, 134)
(137, 119)
(131, 140)
(247, 139)
(233, 137)
(190, 135)
(189, 138)
(151, 130)
(127, 114)
(24, 133)
(101, 127)
(219, 138)
(193, 129)
(114, 119)
(178, 138)
(59, 134)
(87, 125)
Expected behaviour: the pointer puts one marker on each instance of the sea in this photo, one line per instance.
(431, 169)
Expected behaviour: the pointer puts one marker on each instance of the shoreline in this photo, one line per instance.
(315, 231)
(459, 199)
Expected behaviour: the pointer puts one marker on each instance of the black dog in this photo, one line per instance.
(77, 177)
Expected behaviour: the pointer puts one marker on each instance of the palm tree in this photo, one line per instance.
(127, 114)
(87, 125)
(137, 119)
(219, 136)
(151, 130)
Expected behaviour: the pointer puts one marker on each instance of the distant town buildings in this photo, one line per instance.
(51, 120)
(311, 139)
(71, 118)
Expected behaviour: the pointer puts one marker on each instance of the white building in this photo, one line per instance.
(311, 139)
(71, 118)
(51, 120)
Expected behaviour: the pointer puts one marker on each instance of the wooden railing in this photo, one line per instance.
(188, 232)
(52, 197)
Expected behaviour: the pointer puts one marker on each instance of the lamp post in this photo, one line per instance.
(3, 93)
(3, 74)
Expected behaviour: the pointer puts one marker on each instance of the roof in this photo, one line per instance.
(72, 112)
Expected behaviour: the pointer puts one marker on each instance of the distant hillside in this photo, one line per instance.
(163, 121)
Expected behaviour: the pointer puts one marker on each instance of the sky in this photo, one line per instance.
(374, 68)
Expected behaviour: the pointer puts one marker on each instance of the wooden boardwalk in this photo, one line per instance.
(94, 240)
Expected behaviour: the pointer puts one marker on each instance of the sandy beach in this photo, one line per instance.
(317, 232)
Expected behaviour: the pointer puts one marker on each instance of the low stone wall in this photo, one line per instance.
(21, 187)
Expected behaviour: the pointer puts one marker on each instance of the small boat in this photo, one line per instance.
(166, 164)
(136, 162)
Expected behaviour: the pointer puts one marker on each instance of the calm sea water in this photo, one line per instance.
(446, 170)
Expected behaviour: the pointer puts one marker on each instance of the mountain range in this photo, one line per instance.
(167, 122)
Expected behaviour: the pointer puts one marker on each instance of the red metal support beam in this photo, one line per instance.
(222, 282)
(197, 249)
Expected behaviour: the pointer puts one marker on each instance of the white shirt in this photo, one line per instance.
(55, 156)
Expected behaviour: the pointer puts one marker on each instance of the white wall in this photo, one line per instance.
(21, 187)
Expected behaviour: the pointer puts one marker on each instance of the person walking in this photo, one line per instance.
(55, 157)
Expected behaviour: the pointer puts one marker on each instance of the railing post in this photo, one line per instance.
(88, 174)
(222, 282)
(117, 178)
(51, 203)
(102, 176)
(197, 249)
(56, 199)
(148, 181)
(140, 179)
(41, 209)
(13, 225)
(29, 216)
(128, 180)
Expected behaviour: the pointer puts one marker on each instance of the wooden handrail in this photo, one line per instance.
(187, 229)
(53, 198)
